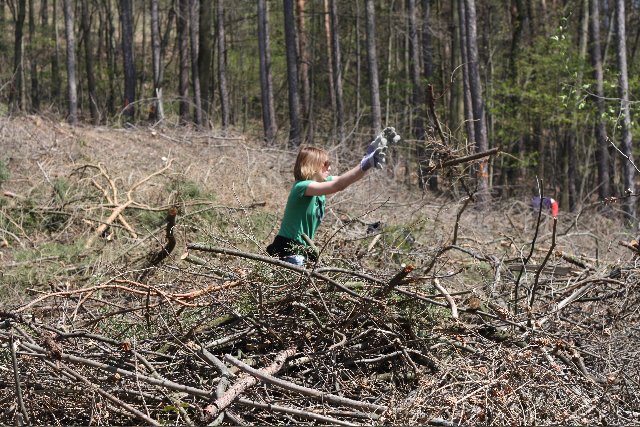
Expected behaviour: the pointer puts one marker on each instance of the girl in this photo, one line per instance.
(306, 202)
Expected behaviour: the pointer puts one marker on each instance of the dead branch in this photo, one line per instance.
(324, 397)
(225, 400)
(41, 352)
(121, 207)
(16, 374)
(432, 111)
(299, 412)
(94, 388)
(279, 263)
(448, 297)
(463, 159)
(544, 262)
(166, 250)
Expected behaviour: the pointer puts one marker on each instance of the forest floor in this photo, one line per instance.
(135, 289)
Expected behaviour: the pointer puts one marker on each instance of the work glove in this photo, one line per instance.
(376, 158)
(377, 149)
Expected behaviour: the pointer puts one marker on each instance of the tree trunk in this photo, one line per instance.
(205, 56)
(157, 108)
(417, 97)
(266, 83)
(56, 79)
(222, 65)
(337, 70)
(571, 197)
(466, 87)
(3, 25)
(372, 57)
(427, 48)
(572, 171)
(628, 169)
(604, 179)
(480, 128)
(456, 101)
(183, 53)
(194, 10)
(331, 77)
(17, 94)
(292, 73)
(35, 91)
(88, 58)
(111, 57)
(126, 20)
(303, 61)
(71, 62)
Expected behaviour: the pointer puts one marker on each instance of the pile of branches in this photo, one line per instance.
(233, 337)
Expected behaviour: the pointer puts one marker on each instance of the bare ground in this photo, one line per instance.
(409, 318)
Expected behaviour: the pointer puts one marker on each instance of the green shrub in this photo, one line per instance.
(4, 172)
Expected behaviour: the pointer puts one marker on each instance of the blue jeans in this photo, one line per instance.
(294, 259)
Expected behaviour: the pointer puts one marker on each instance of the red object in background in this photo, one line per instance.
(554, 208)
(547, 203)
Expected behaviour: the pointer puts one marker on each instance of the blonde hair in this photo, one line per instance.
(309, 162)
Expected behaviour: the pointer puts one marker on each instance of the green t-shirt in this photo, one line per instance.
(303, 214)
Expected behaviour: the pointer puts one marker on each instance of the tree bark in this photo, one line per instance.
(456, 100)
(88, 58)
(126, 20)
(571, 198)
(56, 78)
(604, 179)
(3, 25)
(157, 108)
(35, 91)
(427, 45)
(183, 53)
(222, 65)
(71, 63)
(466, 87)
(17, 94)
(417, 94)
(205, 56)
(337, 70)
(628, 168)
(194, 10)
(110, 47)
(266, 82)
(480, 128)
(292, 73)
(303, 61)
(331, 77)
(372, 57)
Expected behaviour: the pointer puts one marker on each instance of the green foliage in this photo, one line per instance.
(4, 173)
(149, 219)
(183, 190)
(549, 87)
(60, 188)
(35, 268)
(262, 223)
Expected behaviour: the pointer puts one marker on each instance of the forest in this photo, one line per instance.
(147, 151)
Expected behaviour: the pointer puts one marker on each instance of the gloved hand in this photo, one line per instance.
(391, 135)
(375, 158)
(379, 146)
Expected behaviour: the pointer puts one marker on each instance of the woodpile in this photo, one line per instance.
(232, 337)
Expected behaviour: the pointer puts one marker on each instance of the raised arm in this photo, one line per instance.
(338, 183)
(374, 157)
